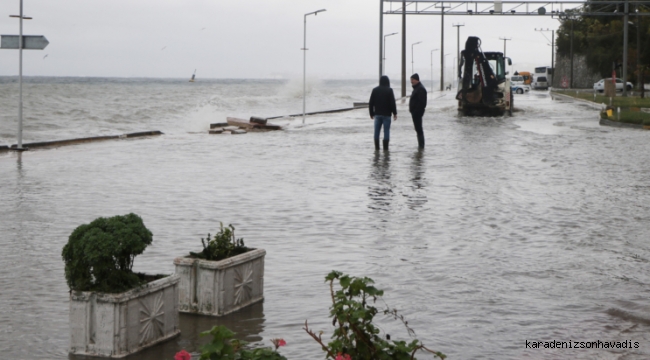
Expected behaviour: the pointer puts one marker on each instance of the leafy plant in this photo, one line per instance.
(99, 256)
(356, 337)
(224, 347)
(222, 246)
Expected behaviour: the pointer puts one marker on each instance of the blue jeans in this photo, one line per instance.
(379, 121)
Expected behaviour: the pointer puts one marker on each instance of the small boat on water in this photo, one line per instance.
(193, 76)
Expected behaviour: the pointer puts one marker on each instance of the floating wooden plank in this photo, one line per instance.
(360, 104)
(4, 148)
(218, 125)
(216, 131)
(248, 126)
(238, 131)
(240, 123)
(272, 127)
(258, 120)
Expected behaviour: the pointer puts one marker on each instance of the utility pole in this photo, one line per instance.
(640, 69)
(442, 45)
(403, 49)
(382, 51)
(457, 26)
(571, 55)
(625, 31)
(638, 50)
(504, 45)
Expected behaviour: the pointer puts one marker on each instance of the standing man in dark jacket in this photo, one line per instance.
(381, 106)
(417, 104)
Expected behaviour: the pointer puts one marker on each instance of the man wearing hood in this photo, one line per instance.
(381, 106)
(417, 104)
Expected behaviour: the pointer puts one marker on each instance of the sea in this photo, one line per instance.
(503, 232)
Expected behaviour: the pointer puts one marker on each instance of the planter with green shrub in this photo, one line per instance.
(224, 277)
(114, 311)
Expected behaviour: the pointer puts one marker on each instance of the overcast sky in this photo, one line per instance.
(247, 38)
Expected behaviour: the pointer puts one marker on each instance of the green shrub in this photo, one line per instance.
(224, 347)
(99, 256)
(222, 246)
(355, 336)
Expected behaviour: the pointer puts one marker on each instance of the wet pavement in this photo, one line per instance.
(506, 229)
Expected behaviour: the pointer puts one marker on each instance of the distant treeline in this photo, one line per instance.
(600, 38)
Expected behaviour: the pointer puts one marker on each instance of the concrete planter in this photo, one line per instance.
(217, 288)
(117, 325)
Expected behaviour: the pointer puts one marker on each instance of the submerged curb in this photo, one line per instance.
(588, 102)
(607, 122)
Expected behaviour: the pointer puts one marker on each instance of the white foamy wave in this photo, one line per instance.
(294, 87)
(199, 119)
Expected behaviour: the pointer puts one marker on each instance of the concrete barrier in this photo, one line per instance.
(316, 112)
(144, 133)
(44, 144)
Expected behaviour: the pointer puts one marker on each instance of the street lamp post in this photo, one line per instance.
(432, 68)
(504, 45)
(457, 26)
(412, 45)
(304, 66)
(384, 57)
(19, 146)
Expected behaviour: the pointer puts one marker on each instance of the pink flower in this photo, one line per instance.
(182, 355)
(340, 356)
(278, 343)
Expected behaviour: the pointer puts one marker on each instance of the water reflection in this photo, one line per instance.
(247, 324)
(418, 197)
(381, 187)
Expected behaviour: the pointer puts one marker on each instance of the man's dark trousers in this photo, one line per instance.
(417, 124)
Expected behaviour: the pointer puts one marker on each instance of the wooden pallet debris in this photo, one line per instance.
(241, 126)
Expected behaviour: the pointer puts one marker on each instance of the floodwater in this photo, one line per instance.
(507, 229)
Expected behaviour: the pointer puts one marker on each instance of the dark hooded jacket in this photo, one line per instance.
(382, 99)
(418, 101)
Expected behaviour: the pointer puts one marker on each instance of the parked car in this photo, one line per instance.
(540, 82)
(516, 80)
(520, 89)
(600, 85)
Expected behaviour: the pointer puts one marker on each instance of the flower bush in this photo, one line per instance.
(355, 336)
(224, 347)
(222, 246)
(182, 355)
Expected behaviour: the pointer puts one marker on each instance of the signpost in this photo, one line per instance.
(21, 42)
(30, 42)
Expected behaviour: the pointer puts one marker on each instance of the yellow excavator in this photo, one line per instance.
(485, 89)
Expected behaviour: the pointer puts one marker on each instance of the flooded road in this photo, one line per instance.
(532, 227)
